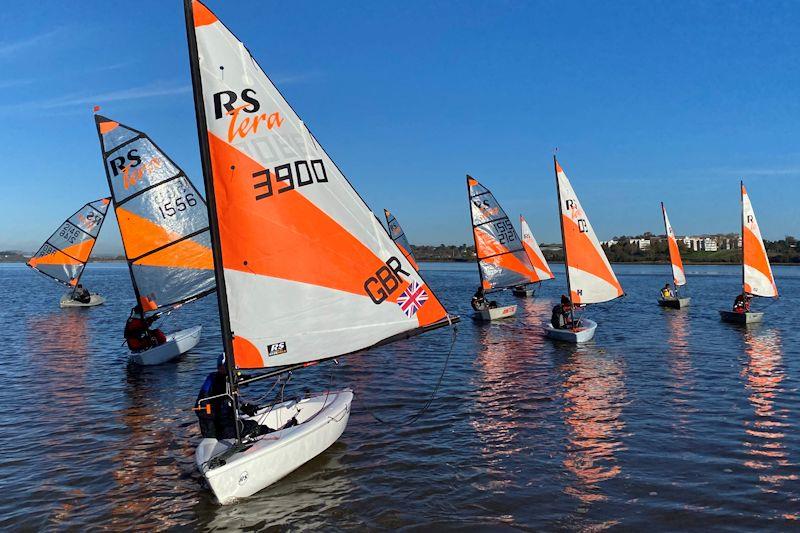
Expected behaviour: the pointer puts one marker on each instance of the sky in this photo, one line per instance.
(645, 101)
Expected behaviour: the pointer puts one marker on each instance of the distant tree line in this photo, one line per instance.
(782, 251)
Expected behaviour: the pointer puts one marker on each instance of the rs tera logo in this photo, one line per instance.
(226, 100)
(276, 349)
(132, 167)
(385, 281)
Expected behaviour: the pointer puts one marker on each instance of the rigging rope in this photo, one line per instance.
(413, 418)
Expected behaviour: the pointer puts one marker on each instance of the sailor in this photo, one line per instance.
(479, 301)
(667, 293)
(561, 312)
(81, 294)
(138, 334)
(742, 303)
(215, 415)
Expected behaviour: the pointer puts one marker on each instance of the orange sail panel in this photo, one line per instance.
(64, 255)
(758, 279)
(399, 237)
(309, 271)
(535, 254)
(678, 276)
(590, 277)
(502, 260)
(162, 219)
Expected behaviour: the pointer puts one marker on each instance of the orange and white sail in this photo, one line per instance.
(758, 279)
(309, 272)
(535, 254)
(502, 260)
(64, 255)
(589, 274)
(678, 276)
(163, 220)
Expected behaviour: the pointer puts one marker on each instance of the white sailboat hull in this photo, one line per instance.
(67, 301)
(177, 344)
(740, 318)
(584, 333)
(523, 292)
(496, 313)
(674, 303)
(321, 421)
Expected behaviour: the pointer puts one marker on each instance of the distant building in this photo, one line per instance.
(609, 243)
(643, 244)
(709, 244)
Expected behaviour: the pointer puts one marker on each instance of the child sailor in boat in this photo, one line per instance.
(667, 293)
(560, 318)
(81, 294)
(214, 409)
(480, 303)
(138, 334)
(742, 303)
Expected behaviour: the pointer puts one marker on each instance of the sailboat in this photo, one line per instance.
(64, 255)
(536, 257)
(757, 278)
(590, 279)
(163, 222)
(399, 237)
(305, 271)
(678, 275)
(502, 260)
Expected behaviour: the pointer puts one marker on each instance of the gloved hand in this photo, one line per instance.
(249, 409)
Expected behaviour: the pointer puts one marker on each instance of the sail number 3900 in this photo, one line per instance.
(289, 177)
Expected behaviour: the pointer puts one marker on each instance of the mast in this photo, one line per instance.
(213, 223)
(474, 238)
(563, 239)
(669, 250)
(741, 202)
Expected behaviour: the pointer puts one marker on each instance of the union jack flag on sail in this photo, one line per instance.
(412, 299)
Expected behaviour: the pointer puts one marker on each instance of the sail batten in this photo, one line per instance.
(502, 259)
(757, 277)
(678, 274)
(162, 218)
(64, 254)
(306, 270)
(590, 278)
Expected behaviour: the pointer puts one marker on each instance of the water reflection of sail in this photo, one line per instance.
(766, 433)
(146, 467)
(680, 363)
(594, 395)
(58, 347)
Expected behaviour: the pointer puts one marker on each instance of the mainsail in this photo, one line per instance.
(305, 270)
(64, 255)
(502, 260)
(757, 276)
(399, 237)
(589, 275)
(535, 254)
(162, 218)
(678, 276)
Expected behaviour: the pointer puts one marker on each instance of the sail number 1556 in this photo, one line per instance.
(177, 204)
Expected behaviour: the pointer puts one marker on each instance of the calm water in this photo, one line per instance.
(668, 419)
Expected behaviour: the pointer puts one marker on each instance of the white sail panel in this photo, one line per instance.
(591, 278)
(535, 254)
(678, 276)
(289, 218)
(758, 278)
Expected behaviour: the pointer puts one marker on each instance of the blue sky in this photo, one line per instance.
(646, 101)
